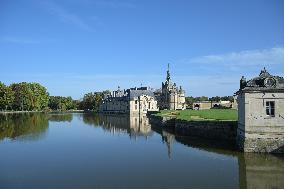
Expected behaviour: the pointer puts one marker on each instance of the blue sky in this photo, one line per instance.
(77, 46)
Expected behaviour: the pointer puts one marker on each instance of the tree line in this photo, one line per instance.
(27, 96)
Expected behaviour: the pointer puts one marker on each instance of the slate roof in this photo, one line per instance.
(264, 82)
(137, 93)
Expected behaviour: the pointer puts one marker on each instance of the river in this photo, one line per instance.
(89, 151)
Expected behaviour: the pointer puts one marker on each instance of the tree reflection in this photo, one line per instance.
(28, 126)
(60, 117)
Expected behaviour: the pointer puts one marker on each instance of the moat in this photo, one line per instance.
(105, 151)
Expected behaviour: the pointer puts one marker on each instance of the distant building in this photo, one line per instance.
(205, 105)
(261, 114)
(170, 96)
(134, 101)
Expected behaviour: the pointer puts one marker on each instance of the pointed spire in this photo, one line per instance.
(168, 73)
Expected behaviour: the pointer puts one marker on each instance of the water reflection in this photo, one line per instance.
(23, 126)
(249, 170)
(261, 171)
(60, 117)
(28, 126)
(135, 126)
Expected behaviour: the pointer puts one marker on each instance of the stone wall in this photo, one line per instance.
(162, 121)
(219, 130)
(261, 144)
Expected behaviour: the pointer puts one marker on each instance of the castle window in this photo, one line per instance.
(270, 108)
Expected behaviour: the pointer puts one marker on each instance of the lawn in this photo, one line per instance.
(199, 115)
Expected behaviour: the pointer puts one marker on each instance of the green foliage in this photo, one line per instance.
(189, 101)
(62, 103)
(91, 101)
(29, 96)
(212, 114)
(6, 97)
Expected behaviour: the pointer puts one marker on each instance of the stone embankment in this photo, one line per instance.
(217, 130)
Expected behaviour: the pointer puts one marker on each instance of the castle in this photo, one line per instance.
(136, 101)
(170, 97)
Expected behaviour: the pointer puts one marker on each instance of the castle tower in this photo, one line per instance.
(171, 97)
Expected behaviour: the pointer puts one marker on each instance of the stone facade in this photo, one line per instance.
(170, 97)
(261, 114)
(134, 101)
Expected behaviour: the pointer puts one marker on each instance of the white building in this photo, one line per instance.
(134, 101)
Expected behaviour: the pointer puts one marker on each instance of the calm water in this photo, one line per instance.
(91, 151)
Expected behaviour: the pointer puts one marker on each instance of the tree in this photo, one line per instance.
(200, 99)
(91, 101)
(29, 96)
(6, 97)
(40, 96)
(189, 100)
(62, 103)
(228, 98)
(215, 99)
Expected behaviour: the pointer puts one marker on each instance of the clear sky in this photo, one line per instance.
(77, 46)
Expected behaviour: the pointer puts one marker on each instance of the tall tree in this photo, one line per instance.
(29, 96)
(6, 97)
(91, 101)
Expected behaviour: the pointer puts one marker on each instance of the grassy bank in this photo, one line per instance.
(199, 115)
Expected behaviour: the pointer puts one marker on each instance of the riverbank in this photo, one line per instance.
(201, 115)
(208, 129)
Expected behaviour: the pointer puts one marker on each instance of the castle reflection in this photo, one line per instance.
(135, 126)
